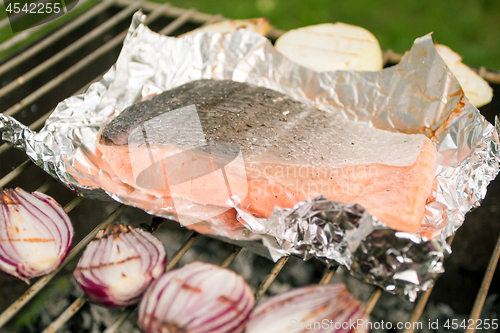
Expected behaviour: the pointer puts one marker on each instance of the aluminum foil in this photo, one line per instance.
(419, 95)
(346, 234)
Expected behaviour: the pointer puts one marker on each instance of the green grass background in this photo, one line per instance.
(6, 31)
(470, 27)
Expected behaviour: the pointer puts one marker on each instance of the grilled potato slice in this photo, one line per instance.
(477, 90)
(332, 46)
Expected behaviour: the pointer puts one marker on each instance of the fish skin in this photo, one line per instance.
(216, 106)
(273, 130)
(262, 122)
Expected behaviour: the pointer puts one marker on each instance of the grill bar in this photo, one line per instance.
(71, 71)
(3, 148)
(372, 301)
(26, 164)
(225, 263)
(485, 286)
(198, 17)
(33, 290)
(37, 124)
(330, 272)
(72, 204)
(70, 49)
(213, 19)
(170, 264)
(94, 11)
(230, 257)
(22, 35)
(421, 303)
(182, 251)
(79, 65)
(418, 310)
(270, 278)
(121, 319)
(45, 186)
(80, 301)
(63, 76)
(41, 121)
(16, 172)
(5, 22)
(178, 22)
(66, 315)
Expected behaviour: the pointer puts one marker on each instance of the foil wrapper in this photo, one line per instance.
(419, 95)
(346, 234)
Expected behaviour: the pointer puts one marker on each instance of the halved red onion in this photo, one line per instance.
(198, 298)
(119, 264)
(35, 233)
(319, 308)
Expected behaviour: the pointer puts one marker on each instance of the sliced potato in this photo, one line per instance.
(332, 46)
(477, 90)
(258, 25)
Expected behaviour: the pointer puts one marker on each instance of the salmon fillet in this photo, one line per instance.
(267, 150)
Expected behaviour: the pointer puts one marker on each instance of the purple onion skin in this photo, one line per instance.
(315, 309)
(116, 268)
(198, 298)
(35, 234)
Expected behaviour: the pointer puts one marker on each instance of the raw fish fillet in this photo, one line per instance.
(290, 152)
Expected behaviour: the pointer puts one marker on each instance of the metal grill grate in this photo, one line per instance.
(85, 48)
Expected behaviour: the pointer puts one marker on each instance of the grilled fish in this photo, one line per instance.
(207, 141)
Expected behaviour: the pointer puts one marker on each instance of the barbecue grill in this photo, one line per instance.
(34, 79)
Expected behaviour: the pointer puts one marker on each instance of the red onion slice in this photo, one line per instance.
(35, 234)
(319, 308)
(119, 265)
(198, 298)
